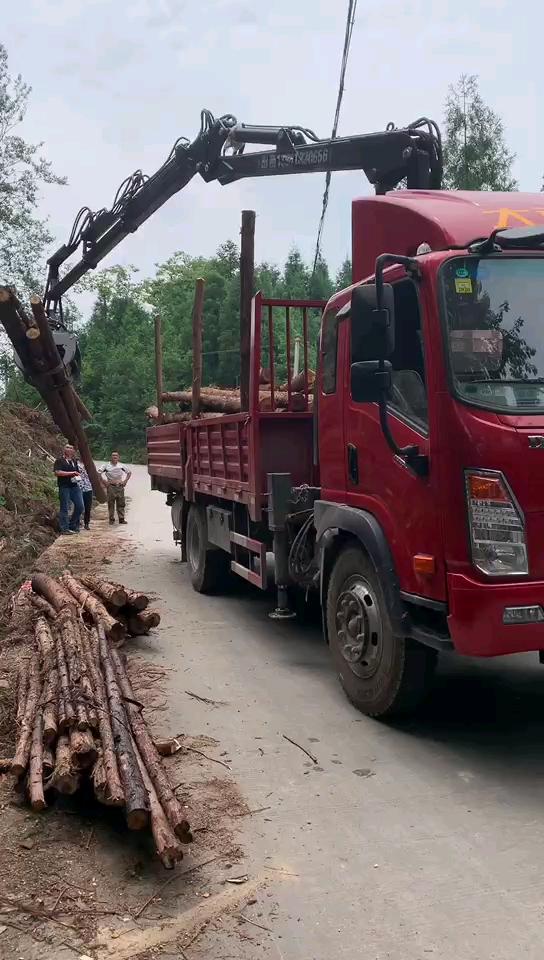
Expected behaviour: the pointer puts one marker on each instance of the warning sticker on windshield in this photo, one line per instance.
(463, 285)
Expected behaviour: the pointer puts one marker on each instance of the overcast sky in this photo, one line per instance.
(115, 83)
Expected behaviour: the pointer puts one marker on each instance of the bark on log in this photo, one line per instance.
(109, 758)
(136, 799)
(141, 623)
(22, 690)
(67, 395)
(35, 778)
(32, 355)
(50, 705)
(46, 645)
(100, 783)
(83, 750)
(115, 631)
(56, 594)
(22, 750)
(150, 755)
(168, 846)
(67, 714)
(113, 593)
(69, 631)
(41, 605)
(64, 778)
(49, 699)
(62, 722)
(137, 600)
(152, 413)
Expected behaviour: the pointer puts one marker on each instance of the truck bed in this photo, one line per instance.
(230, 456)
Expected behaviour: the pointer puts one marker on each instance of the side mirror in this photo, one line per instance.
(370, 380)
(372, 330)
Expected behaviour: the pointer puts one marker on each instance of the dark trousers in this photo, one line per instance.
(87, 506)
(70, 495)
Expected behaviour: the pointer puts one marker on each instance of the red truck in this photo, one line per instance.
(411, 497)
(406, 488)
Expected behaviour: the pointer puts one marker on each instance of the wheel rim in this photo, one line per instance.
(359, 626)
(193, 546)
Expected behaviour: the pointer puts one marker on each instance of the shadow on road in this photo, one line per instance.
(487, 714)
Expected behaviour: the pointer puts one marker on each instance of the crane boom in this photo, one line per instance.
(387, 158)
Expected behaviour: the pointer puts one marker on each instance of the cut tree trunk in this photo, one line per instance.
(67, 714)
(115, 631)
(100, 783)
(46, 645)
(136, 600)
(22, 690)
(70, 633)
(56, 594)
(49, 701)
(141, 623)
(112, 593)
(35, 778)
(41, 605)
(50, 704)
(136, 799)
(150, 755)
(22, 750)
(168, 846)
(64, 778)
(83, 750)
(109, 757)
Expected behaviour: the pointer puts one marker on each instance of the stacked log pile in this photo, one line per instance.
(32, 340)
(77, 716)
(215, 401)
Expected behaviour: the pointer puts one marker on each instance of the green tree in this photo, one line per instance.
(23, 235)
(476, 156)
(344, 277)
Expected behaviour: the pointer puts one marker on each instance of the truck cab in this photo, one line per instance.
(451, 512)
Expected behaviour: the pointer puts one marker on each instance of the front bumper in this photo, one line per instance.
(476, 611)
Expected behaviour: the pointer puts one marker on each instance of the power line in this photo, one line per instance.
(352, 6)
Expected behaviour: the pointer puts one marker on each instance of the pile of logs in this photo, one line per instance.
(32, 340)
(215, 401)
(77, 717)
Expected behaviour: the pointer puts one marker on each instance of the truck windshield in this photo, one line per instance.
(495, 330)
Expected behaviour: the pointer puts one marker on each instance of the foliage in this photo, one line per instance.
(476, 156)
(23, 235)
(117, 343)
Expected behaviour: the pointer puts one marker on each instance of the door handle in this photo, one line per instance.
(353, 464)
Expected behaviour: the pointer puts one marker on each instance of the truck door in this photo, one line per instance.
(376, 480)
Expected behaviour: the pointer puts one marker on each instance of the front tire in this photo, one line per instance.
(208, 569)
(383, 675)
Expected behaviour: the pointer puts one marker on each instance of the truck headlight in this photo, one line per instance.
(496, 525)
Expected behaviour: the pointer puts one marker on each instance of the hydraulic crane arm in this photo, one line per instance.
(387, 158)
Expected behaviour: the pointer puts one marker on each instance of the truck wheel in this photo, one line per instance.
(208, 569)
(383, 675)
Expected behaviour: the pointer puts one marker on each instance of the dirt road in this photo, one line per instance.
(419, 840)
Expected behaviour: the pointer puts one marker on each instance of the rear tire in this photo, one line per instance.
(383, 675)
(208, 569)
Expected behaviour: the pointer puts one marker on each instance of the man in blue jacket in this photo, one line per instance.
(66, 469)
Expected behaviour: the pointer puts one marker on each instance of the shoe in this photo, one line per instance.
(112, 521)
(66, 533)
(75, 531)
(122, 521)
(86, 526)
